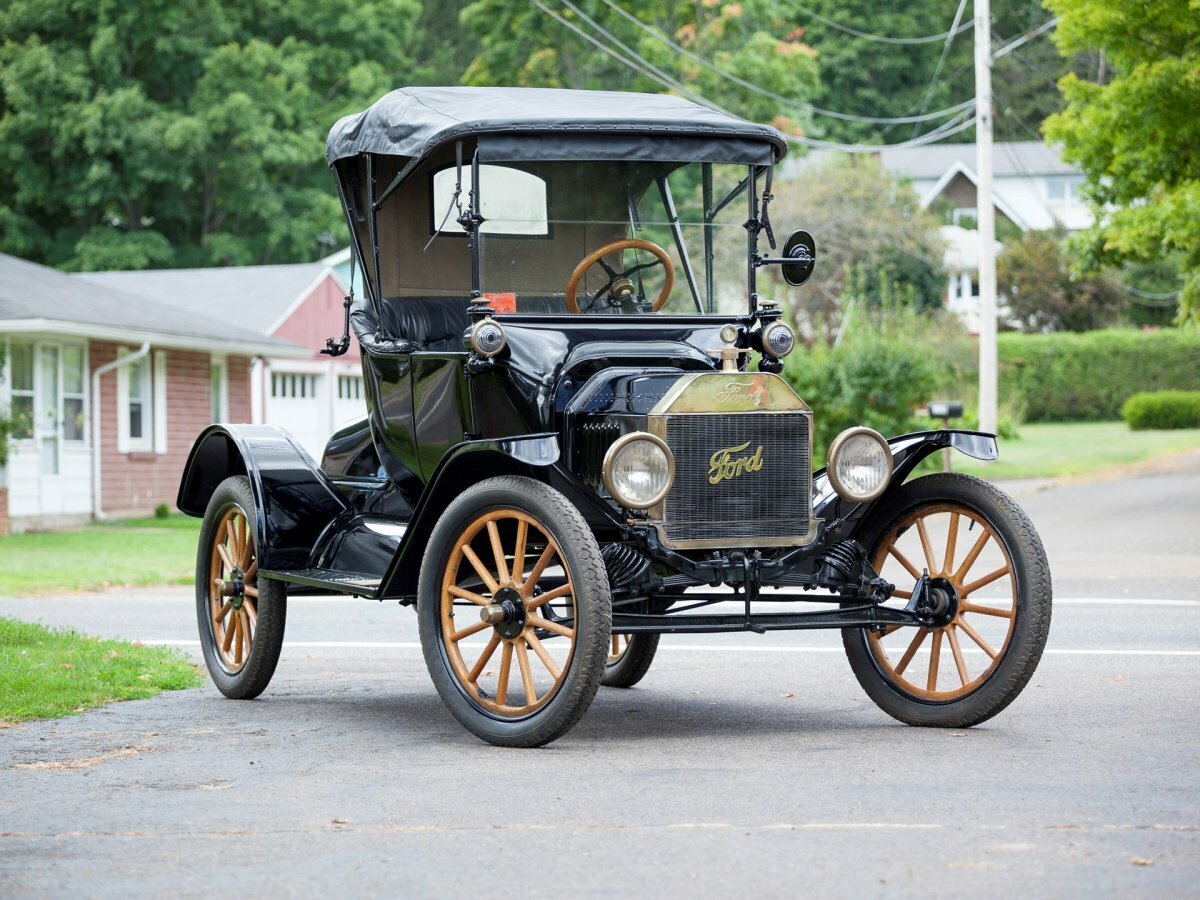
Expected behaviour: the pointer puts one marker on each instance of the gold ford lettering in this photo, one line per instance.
(723, 465)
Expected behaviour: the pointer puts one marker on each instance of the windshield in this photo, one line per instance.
(605, 237)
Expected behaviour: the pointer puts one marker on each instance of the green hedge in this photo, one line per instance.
(1162, 409)
(1066, 376)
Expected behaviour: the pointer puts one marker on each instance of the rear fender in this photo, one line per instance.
(533, 456)
(846, 519)
(294, 500)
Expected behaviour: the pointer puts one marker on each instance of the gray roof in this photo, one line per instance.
(412, 121)
(29, 291)
(1017, 158)
(253, 296)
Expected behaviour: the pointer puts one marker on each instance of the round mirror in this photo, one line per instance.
(801, 247)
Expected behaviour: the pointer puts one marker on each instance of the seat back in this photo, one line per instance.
(431, 323)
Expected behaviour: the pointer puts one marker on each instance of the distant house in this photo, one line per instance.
(301, 304)
(107, 391)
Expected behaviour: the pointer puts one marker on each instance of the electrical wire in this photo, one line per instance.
(1152, 300)
(879, 38)
(937, 72)
(761, 91)
(1026, 38)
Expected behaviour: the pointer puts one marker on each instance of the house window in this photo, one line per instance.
(350, 387)
(142, 404)
(139, 401)
(73, 422)
(219, 388)
(966, 216)
(1063, 187)
(21, 364)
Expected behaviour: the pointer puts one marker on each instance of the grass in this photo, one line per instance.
(132, 552)
(1054, 449)
(48, 674)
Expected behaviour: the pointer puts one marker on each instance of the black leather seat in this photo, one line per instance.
(412, 323)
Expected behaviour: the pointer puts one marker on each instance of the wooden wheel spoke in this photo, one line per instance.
(526, 672)
(248, 606)
(552, 627)
(903, 560)
(985, 610)
(547, 660)
(951, 544)
(463, 594)
(251, 591)
(538, 568)
(498, 551)
(560, 591)
(480, 569)
(488, 651)
(228, 636)
(911, 651)
(518, 563)
(223, 612)
(470, 630)
(223, 552)
(977, 638)
(237, 639)
(247, 544)
(926, 546)
(952, 634)
(972, 556)
(251, 571)
(935, 656)
(983, 582)
(616, 644)
(903, 595)
(244, 626)
(888, 629)
(505, 666)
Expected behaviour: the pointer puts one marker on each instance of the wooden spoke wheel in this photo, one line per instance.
(241, 616)
(629, 659)
(990, 597)
(515, 611)
(620, 646)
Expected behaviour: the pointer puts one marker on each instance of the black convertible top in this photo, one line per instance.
(411, 122)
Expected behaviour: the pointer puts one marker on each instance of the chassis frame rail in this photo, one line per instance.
(860, 616)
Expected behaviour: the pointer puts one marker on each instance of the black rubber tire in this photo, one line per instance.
(252, 679)
(593, 603)
(634, 662)
(1033, 607)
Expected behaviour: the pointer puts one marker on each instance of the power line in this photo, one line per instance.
(1026, 38)
(1147, 298)
(880, 38)
(764, 92)
(937, 73)
(960, 122)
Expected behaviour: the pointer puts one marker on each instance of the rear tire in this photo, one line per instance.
(631, 662)
(993, 653)
(241, 636)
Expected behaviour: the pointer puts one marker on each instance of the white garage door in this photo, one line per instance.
(351, 401)
(298, 404)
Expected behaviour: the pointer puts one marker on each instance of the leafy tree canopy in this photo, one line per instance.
(1040, 293)
(1137, 137)
(163, 133)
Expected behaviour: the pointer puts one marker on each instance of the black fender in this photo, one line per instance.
(846, 519)
(294, 500)
(532, 455)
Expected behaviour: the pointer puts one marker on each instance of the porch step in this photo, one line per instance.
(357, 583)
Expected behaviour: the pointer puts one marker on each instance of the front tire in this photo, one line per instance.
(517, 550)
(240, 616)
(976, 540)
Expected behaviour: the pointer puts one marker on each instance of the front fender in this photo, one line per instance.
(843, 518)
(533, 456)
(294, 500)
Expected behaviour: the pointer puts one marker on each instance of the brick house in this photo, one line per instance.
(87, 366)
(309, 395)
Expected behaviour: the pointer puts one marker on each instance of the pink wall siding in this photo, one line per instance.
(140, 481)
(318, 317)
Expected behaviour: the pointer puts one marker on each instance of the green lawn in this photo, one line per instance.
(47, 674)
(133, 552)
(1052, 450)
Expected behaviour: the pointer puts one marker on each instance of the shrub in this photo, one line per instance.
(162, 511)
(1066, 377)
(1162, 409)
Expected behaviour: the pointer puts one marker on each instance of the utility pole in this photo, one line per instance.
(986, 217)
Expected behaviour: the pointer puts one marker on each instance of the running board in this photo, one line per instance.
(357, 583)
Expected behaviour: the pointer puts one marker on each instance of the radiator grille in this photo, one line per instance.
(773, 502)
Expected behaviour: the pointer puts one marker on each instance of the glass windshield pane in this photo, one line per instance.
(622, 238)
(512, 201)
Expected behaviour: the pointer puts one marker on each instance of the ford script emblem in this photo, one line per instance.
(725, 465)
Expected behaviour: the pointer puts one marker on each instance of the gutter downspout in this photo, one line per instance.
(141, 352)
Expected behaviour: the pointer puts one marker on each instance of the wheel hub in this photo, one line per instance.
(937, 604)
(506, 612)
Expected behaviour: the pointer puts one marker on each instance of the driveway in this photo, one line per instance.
(741, 764)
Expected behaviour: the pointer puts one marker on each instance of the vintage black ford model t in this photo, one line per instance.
(567, 451)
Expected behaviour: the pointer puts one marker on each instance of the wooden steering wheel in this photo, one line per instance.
(619, 288)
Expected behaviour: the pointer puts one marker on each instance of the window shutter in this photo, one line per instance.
(160, 401)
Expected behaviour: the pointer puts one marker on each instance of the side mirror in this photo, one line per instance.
(800, 251)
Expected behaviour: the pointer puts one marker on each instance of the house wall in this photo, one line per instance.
(318, 316)
(137, 482)
(1026, 196)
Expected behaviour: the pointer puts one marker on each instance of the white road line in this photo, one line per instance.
(667, 646)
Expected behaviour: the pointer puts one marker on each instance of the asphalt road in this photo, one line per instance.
(741, 764)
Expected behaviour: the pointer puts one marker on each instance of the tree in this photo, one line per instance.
(752, 40)
(874, 242)
(1136, 137)
(1035, 280)
(153, 134)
